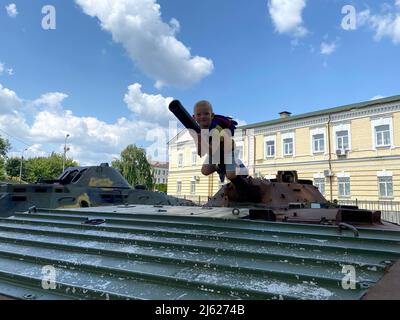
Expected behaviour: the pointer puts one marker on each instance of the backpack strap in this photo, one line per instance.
(224, 123)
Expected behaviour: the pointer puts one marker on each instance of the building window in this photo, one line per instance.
(318, 143)
(179, 187)
(270, 147)
(344, 187)
(288, 147)
(194, 157)
(320, 184)
(382, 136)
(240, 152)
(192, 187)
(342, 140)
(385, 186)
(180, 160)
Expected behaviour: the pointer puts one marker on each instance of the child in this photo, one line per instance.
(225, 151)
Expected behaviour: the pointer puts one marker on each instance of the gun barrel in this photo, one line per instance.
(183, 116)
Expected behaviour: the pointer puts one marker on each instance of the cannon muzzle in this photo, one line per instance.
(183, 116)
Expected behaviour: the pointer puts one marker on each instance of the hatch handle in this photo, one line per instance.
(343, 225)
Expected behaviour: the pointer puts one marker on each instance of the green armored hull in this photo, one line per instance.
(78, 187)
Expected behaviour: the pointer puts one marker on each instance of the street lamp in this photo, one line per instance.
(65, 152)
(20, 166)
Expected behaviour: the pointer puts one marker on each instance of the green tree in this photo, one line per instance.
(47, 168)
(134, 167)
(161, 187)
(4, 148)
(13, 167)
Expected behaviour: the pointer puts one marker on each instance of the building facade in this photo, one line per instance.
(161, 170)
(350, 152)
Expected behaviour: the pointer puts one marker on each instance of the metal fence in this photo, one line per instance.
(199, 200)
(390, 209)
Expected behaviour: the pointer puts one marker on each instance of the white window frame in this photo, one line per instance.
(318, 142)
(320, 176)
(192, 186)
(194, 157)
(288, 147)
(385, 174)
(240, 153)
(266, 140)
(315, 132)
(382, 122)
(239, 150)
(178, 186)
(342, 127)
(344, 176)
(342, 145)
(180, 160)
(288, 135)
(384, 135)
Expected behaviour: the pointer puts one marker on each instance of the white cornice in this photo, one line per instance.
(310, 163)
(335, 117)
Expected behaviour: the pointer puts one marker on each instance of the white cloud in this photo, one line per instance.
(51, 100)
(152, 108)
(9, 71)
(36, 150)
(328, 48)
(12, 10)
(9, 101)
(150, 42)
(91, 140)
(378, 96)
(287, 16)
(385, 25)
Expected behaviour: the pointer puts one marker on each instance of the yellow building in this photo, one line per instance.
(350, 152)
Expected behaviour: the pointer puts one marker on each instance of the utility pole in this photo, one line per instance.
(20, 166)
(65, 152)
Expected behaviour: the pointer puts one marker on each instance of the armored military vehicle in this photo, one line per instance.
(290, 199)
(286, 198)
(79, 187)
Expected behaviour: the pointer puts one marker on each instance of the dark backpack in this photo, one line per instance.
(224, 123)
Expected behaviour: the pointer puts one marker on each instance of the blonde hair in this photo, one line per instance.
(203, 103)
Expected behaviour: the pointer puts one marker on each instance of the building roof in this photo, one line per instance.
(142, 252)
(323, 112)
(163, 165)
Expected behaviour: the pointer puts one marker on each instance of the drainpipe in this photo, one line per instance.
(255, 157)
(330, 157)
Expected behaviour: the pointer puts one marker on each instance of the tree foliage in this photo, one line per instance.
(13, 167)
(33, 169)
(161, 187)
(4, 148)
(135, 167)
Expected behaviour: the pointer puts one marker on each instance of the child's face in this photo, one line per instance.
(203, 116)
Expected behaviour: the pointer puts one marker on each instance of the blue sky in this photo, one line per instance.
(107, 80)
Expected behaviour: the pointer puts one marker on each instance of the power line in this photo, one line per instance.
(15, 138)
(23, 142)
